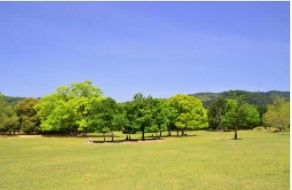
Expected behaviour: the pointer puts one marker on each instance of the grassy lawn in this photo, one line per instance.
(209, 160)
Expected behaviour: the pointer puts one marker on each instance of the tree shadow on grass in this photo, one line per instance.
(236, 139)
(126, 140)
(180, 136)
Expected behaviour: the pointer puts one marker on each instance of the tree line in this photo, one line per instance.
(82, 108)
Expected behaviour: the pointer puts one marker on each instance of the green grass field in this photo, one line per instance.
(210, 160)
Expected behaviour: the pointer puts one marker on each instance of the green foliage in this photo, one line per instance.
(121, 120)
(250, 116)
(215, 111)
(239, 115)
(258, 99)
(230, 119)
(190, 112)
(102, 116)
(28, 119)
(278, 114)
(140, 111)
(8, 118)
(67, 110)
(81, 108)
(164, 115)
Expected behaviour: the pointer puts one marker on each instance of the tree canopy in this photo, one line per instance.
(81, 108)
(278, 114)
(190, 112)
(28, 119)
(239, 115)
(67, 109)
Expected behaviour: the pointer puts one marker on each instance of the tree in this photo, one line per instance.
(250, 116)
(102, 116)
(215, 111)
(8, 118)
(278, 114)
(140, 113)
(67, 110)
(239, 115)
(190, 112)
(125, 119)
(28, 119)
(163, 116)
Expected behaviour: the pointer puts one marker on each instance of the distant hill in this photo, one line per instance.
(13, 99)
(255, 98)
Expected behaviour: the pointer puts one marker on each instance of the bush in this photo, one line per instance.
(259, 128)
(274, 129)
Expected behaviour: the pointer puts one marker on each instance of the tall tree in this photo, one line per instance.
(102, 116)
(190, 112)
(140, 110)
(28, 119)
(67, 110)
(278, 114)
(126, 119)
(215, 111)
(239, 115)
(163, 115)
(143, 110)
(8, 118)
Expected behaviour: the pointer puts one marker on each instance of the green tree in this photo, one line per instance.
(215, 111)
(8, 118)
(102, 116)
(140, 111)
(239, 115)
(190, 112)
(278, 114)
(125, 119)
(163, 114)
(28, 119)
(67, 110)
(250, 116)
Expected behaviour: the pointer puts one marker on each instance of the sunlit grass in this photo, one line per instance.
(210, 160)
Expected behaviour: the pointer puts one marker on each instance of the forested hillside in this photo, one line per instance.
(13, 99)
(255, 98)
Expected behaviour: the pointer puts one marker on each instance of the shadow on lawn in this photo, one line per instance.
(125, 140)
(147, 138)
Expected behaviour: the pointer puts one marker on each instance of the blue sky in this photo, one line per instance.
(156, 48)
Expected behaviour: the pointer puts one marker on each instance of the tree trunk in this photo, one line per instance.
(129, 136)
(182, 132)
(143, 136)
(103, 137)
(177, 132)
(160, 134)
(169, 133)
(112, 136)
(235, 133)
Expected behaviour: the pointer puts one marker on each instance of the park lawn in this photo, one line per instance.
(210, 160)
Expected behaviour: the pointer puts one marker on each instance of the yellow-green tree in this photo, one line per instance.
(278, 115)
(67, 109)
(190, 112)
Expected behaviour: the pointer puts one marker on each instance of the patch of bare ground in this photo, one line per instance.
(28, 136)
